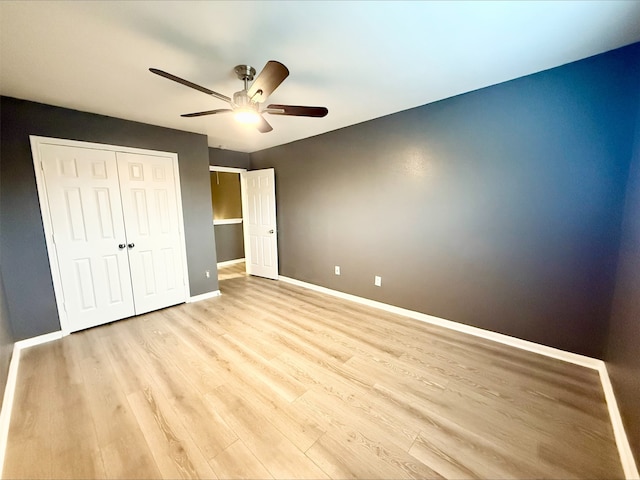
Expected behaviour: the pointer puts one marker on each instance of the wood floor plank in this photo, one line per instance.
(30, 430)
(237, 462)
(271, 380)
(120, 440)
(356, 402)
(175, 453)
(455, 452)
(153, 358)
(361, 436)
(276, 452)
(204, 425)
(298, 427)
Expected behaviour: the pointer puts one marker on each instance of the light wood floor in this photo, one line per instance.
(274, 381)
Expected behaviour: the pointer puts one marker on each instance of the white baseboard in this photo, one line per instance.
(39, 340)
(459, 327)
(204, 296)
(230, 262)
(624, 448)
(622, 442)
(10, 387)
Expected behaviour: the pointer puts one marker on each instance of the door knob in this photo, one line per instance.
(271, 231)
(131, 245)
(121, 246)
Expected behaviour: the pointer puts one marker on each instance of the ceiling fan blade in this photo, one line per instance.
(189, 84)
(272, 75)
(296, 110)
(263, 125)
(208, 112)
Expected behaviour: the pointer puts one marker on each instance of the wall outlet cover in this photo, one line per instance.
(337, 269)
(377, 281)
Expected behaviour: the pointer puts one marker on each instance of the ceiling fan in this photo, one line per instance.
(245, 104)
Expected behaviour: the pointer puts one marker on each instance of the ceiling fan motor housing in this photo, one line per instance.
(241, 100)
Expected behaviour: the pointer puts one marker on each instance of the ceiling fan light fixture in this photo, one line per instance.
(246, 115)
(245, 103)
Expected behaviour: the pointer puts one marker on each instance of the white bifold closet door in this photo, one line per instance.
(150, 210)
(116, 232)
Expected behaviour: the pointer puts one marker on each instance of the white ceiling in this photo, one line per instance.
(360, 59)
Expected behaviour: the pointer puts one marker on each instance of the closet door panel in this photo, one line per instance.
(83, 194)
(149, 199)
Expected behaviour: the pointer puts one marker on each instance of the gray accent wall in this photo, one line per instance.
(228, 158)
(623, 348)
(25, 268)
(500, 208)
(229, 242)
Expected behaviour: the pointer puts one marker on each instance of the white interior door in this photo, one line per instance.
(259, 213)
(83, 193)
(150, 207)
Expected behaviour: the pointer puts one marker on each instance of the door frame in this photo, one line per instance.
(243, 195)
(36, 141)
(244, 199)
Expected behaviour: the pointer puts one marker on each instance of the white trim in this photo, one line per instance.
(478, 332)
(99, 146)
(214, 168)
(230, 262)
(7, 402)
(204, 296)
(39, 340)
(622, 442)
(36, 141)
(227, 221)
(182, 229)
(10, 386)
(624, 449)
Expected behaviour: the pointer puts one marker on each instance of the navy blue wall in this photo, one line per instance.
(500, 208)
(623, 348)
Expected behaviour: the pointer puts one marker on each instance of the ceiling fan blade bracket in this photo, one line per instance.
(271, 76)
(257, 94)
(274, 111)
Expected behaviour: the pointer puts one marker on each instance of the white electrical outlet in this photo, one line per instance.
(207, 273)
(377, 281)
(337, 269)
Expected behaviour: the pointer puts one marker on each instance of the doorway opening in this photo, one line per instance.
(226, 200)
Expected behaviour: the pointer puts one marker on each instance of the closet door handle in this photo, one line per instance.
(131, 245)
(121, 246)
